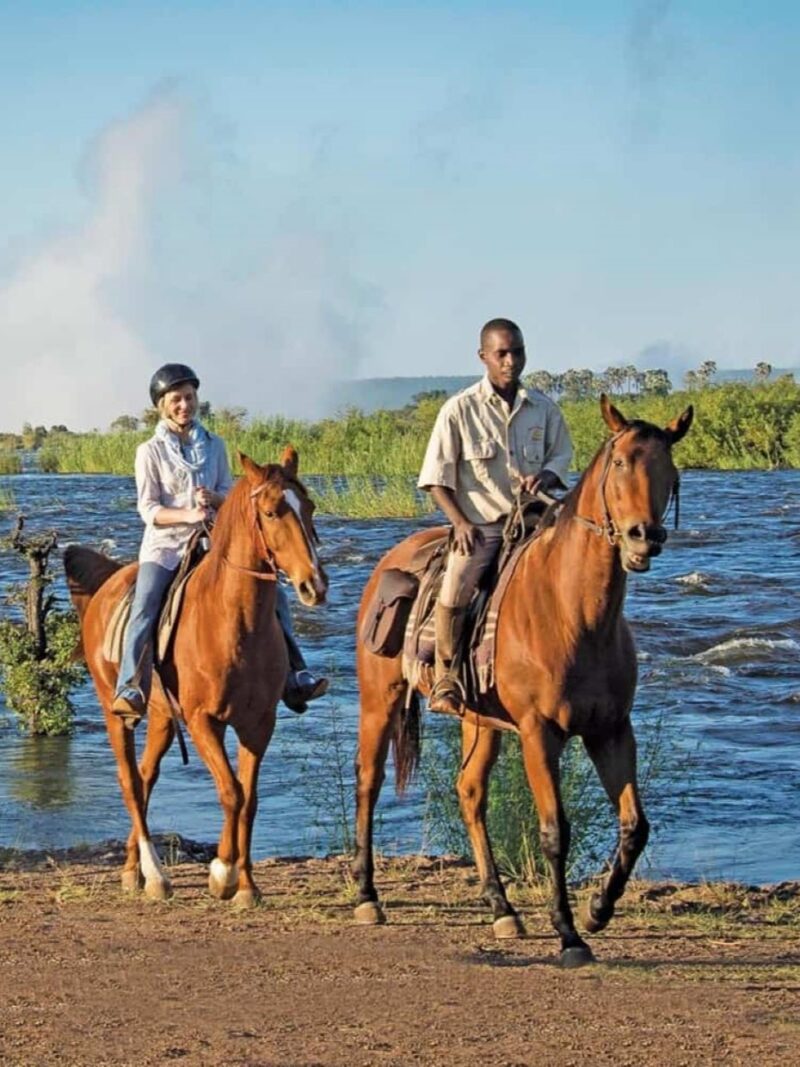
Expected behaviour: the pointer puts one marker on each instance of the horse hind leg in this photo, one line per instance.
(381, 707)
(615, 761)
(160, 733)
(142, 860)
(479, 750)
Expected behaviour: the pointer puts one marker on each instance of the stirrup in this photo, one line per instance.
(130, 711)
(448, 690)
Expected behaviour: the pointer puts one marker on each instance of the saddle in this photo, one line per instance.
(401, 615)
(170, 609)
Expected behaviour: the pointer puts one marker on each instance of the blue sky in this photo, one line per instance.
(286, 194)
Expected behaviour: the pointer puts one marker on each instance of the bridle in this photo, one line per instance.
(268, 558)
(608, 528)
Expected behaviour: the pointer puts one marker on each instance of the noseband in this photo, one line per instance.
(608, 528)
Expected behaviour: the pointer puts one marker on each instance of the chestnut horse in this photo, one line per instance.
(565, 666)
(227, 664)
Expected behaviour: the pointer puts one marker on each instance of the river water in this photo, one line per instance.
(717, 624)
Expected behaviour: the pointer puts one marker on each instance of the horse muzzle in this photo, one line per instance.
(641, 543)
(312, 591)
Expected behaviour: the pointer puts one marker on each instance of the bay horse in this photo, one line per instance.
(565, 666)
(227, 664)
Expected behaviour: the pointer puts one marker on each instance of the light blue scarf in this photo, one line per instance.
(190, 455)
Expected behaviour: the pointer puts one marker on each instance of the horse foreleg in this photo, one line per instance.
(142, 858)
(542, 744)
(250, 754)
(160, 732)
(207, 734)
(479, 751)
(615, 761)
(374, 734)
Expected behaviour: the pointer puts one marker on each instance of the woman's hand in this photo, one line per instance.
(196, 515)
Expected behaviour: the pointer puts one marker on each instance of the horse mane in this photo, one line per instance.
(234, 515)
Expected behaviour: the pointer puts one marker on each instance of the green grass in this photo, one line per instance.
(10, 462)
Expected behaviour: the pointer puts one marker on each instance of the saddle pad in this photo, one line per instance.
(118, 623)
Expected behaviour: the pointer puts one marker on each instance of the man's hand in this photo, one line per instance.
(546, 480)
(465, 537)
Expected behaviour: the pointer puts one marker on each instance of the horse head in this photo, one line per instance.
(637, 481)
(283, 520)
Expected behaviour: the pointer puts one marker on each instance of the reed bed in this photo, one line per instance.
(10, 462)
(360, 497)
(737, 427)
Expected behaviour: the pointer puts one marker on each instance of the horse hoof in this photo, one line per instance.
(132, 880)
(223, 879)
(369, 913)
(508, 927)
(576, 956)
(246, 899)
(158, 889)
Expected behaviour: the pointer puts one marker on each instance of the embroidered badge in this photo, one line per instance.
(537, 433)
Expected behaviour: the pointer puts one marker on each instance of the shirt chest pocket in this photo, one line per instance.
(480, 451)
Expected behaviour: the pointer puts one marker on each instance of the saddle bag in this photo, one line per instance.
(384, 624)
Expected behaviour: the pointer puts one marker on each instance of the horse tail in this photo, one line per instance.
(406, 742)
(86, 571)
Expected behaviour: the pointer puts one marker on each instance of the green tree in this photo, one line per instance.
(762, 371)
(124, 424)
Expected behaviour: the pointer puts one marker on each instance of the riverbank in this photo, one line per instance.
(687, 974)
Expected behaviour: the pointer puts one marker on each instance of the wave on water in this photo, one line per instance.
(743, 649)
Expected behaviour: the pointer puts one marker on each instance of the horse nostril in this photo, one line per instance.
(637, 532)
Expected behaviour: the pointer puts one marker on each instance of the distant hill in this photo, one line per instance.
(375, 394)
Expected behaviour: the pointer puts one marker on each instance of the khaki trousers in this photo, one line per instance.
(462, 573)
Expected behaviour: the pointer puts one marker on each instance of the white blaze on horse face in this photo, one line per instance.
(293, 501)
(150, 863)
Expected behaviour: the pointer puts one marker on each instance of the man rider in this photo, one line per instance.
(490, 442)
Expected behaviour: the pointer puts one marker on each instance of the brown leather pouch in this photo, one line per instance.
(385, 621)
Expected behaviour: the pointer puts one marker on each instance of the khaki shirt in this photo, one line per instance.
(481, 450)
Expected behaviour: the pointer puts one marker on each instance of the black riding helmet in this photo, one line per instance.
(170, 376)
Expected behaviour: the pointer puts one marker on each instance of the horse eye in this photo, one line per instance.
(619, 463)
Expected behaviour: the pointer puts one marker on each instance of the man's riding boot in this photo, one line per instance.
(447, 693)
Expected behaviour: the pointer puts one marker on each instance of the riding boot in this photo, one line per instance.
(301, 685)
(447, 693)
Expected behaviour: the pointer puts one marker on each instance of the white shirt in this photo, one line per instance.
(160, 483)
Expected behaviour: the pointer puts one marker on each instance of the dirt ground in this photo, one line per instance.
(686, 975)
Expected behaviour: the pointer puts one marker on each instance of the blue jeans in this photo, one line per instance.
(136, 665)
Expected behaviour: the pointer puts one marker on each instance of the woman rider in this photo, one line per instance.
(182, 478)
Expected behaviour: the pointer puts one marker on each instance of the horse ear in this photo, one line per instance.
(289, 461)
(613, 418)
(679, 427)
(251, 469)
